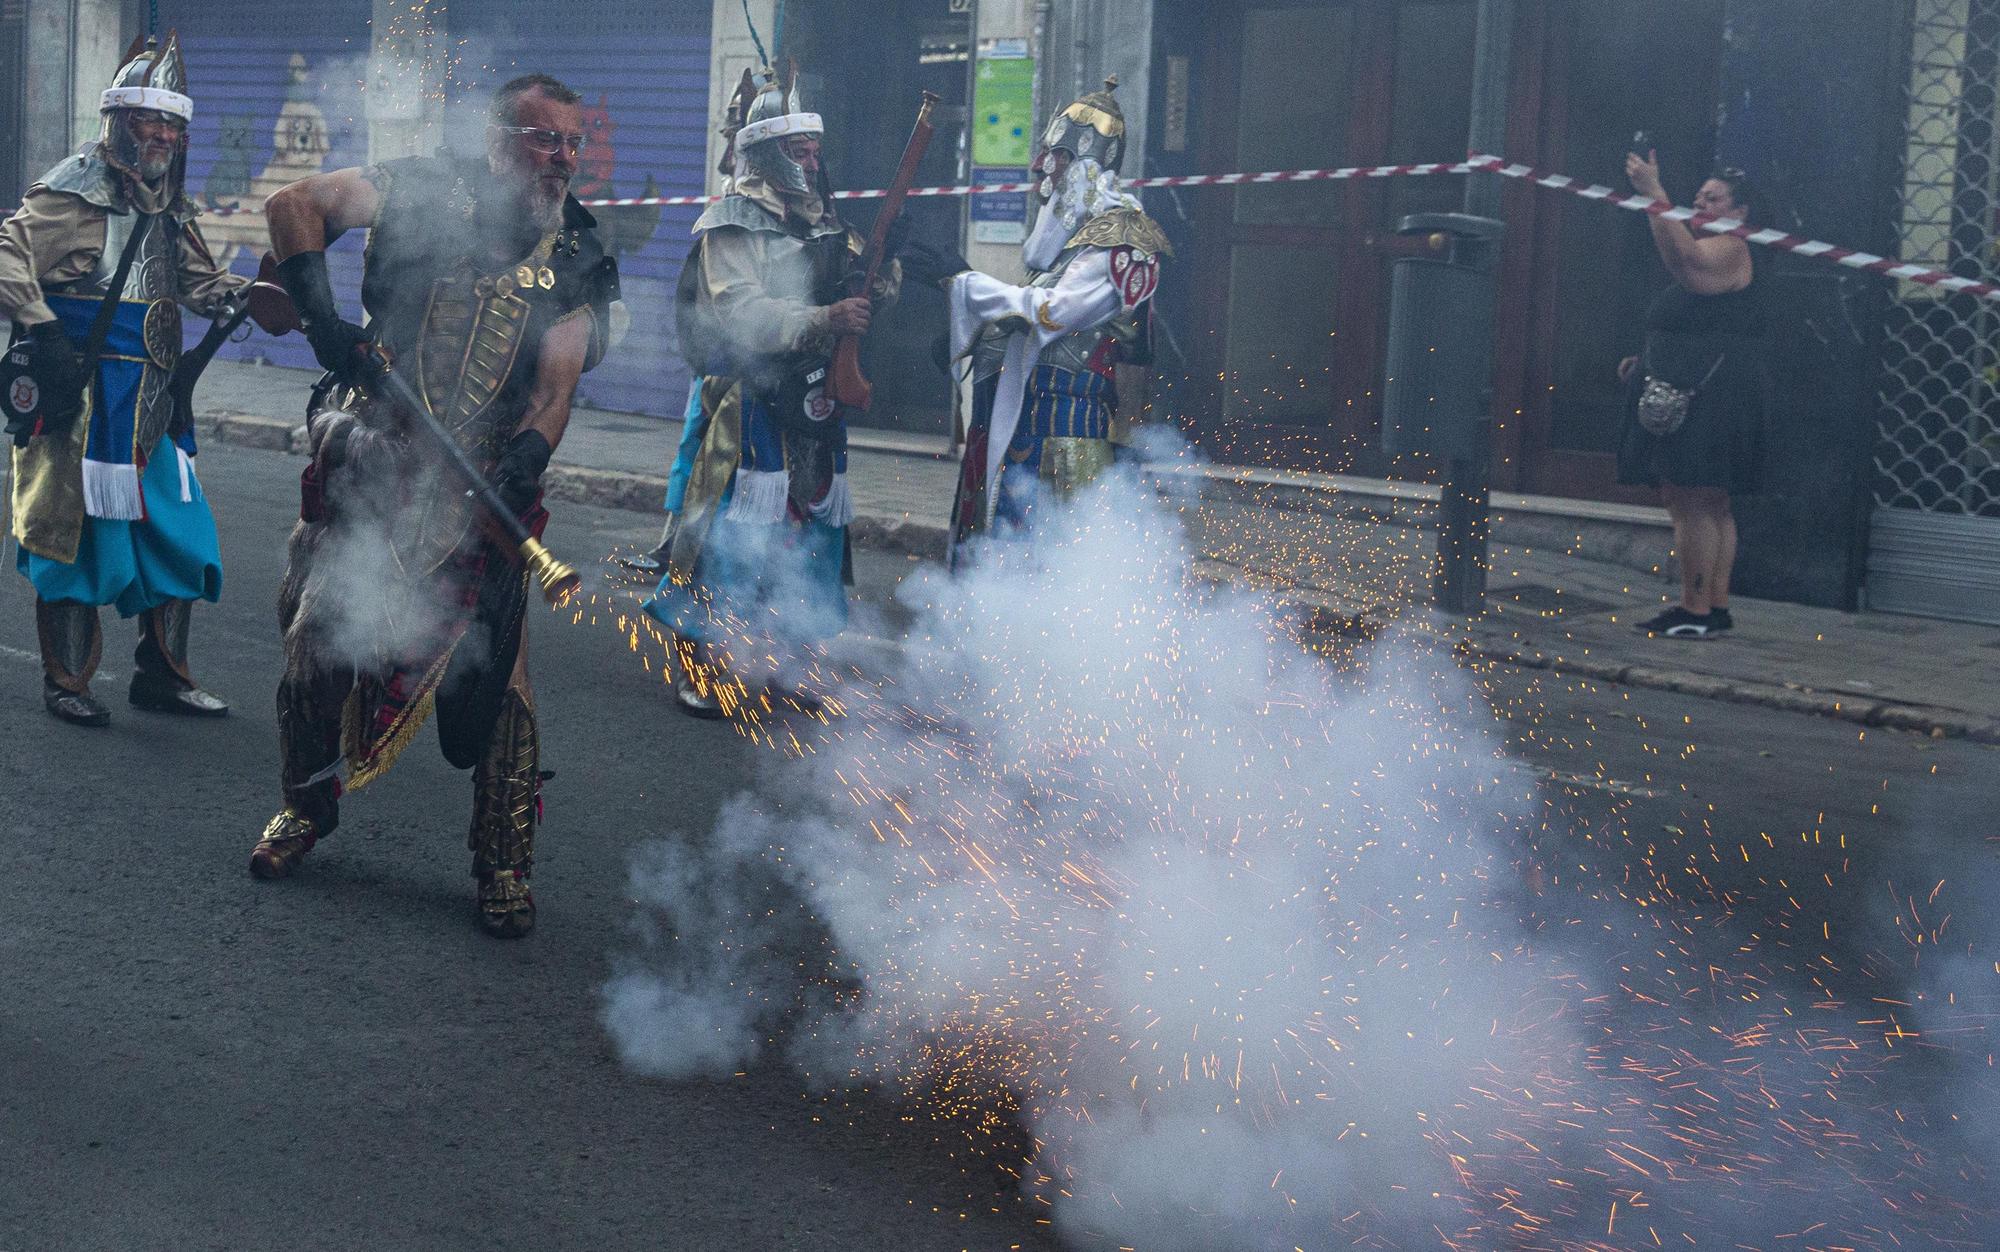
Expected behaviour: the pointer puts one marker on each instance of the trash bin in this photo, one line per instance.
(1437, 387)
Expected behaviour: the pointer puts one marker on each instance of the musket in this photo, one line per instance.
(273, 309)
(848, 384)
(255, 303)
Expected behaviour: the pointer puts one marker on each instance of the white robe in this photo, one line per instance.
(1085, 296)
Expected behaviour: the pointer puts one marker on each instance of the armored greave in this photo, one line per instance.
(310, 700)
(163, 642)
(72, 643)
(505, 791)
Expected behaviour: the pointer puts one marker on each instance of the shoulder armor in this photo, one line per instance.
(92, 181)
(740, 211)
(1122, 228)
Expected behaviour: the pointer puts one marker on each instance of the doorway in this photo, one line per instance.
(1288, 299)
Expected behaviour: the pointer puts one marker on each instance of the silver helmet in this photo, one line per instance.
(151, 79)
(774, 116)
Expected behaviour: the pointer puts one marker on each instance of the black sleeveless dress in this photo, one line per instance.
(1723, 339)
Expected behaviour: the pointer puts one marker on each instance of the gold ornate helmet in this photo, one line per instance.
(1091, 128)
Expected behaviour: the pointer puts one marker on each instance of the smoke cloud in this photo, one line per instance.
(1254, 942)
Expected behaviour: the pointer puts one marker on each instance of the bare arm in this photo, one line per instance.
(564, 349)
(1705, 264)
(311, 213)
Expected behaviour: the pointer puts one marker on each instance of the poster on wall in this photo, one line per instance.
(1003, 108)
(1000, 217)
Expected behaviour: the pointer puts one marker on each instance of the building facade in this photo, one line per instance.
(1872, 122)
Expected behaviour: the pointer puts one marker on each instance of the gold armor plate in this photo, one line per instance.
(161, 332)
(1122, 228)
(472, 333)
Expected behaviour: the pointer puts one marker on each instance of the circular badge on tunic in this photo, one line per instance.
(161, 332)
(25, 396)
(818, 406)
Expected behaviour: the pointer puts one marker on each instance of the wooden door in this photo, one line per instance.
(1290, 281)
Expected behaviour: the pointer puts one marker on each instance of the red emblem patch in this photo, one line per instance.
(1136, 274)
(26, 395)
(819, 406)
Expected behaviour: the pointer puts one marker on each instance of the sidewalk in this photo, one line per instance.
(1568, 579)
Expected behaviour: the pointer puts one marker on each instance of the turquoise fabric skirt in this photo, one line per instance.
(782, 580)
(170, 554)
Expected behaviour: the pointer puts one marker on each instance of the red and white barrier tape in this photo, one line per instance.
(989, 189)
(1817, 249)
(1173, 180)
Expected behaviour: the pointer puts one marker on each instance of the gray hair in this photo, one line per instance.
(511, 93)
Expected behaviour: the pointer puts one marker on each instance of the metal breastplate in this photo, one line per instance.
(153, 281)
(466, 351)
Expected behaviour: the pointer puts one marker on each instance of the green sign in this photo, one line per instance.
(1003, 111)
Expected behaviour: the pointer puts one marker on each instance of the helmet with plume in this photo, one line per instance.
(151, 79)
(1091, 128)
(772, 117)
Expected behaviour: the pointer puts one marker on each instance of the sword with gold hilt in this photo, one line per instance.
(557, 579)
(272, 308)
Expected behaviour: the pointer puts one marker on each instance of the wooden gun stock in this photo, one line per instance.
(847, 383)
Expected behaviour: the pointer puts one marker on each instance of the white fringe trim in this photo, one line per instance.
(112, 491)
(187, 474)
(760, 497)
(836, 508)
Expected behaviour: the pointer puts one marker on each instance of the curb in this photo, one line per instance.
(1926, 719)
(1322, 612)
(576, 484)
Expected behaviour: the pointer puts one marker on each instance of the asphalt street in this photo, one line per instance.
(193, 1059)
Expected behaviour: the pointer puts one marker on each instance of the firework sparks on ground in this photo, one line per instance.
(1265, 945)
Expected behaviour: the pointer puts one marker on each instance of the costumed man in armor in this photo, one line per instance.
(94, 268)
(1045, 355)
(694, 421)
(486, 286)
(762, 531)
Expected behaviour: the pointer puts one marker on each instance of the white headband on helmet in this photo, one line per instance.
(156, 98)
(777, 127)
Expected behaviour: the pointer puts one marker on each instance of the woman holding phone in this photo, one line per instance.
(1695, 397)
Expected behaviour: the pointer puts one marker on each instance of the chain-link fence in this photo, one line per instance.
(1934, 544)
(1940, 447)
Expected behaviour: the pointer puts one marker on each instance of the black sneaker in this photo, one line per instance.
(1678, 623)
(1719, 621)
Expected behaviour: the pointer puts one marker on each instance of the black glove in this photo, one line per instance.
(60, 375)
(518, 474)
(929, 266)
(334, 341)
(897, 238)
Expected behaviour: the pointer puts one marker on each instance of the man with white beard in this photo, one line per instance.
(1044, 355)
(94, 268)
(486, 284)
